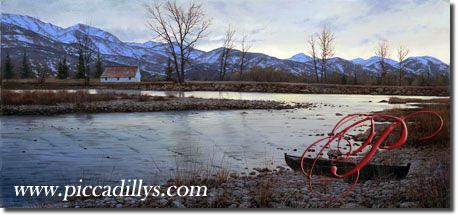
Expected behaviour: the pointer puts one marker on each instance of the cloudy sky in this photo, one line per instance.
(276, 27)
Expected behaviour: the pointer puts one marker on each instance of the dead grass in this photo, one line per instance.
(77, 97)
(431, 190)
(423, 125)
(396, 100)
(265, 192)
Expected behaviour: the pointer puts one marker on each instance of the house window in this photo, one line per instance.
(118, 78)
(130, 78)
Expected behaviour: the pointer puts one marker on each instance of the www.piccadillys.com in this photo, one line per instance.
(126, 188)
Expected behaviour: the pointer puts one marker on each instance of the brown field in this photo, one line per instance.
(56, 97)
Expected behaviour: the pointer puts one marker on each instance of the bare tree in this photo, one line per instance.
(86, 49)
(228, 46)
(42, 72)
(326, 41)
(402, 54)
(245, 46)
(180, 28)
(311, 42)
(382, 52)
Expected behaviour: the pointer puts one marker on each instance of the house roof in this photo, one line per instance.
(119, 71)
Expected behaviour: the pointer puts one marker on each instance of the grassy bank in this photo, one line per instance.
(57, 97)
(269, 87)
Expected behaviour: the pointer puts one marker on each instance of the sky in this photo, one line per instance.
(275, 27)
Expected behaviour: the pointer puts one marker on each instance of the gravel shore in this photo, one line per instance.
(128, 105)
(280, 187)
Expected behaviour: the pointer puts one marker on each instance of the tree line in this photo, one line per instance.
(42, 72)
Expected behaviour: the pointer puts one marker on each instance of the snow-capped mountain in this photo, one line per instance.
(416, 65)
(301, 57)
(425, 64)
(372, 61)
(46, 44)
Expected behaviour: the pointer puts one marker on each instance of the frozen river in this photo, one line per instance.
(104, 148)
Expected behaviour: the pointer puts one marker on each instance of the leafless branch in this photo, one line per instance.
(382, 51)
(312, 51)
(228, 46)
(180, 28)
(245, 46)
(402, 54)
(326, 41)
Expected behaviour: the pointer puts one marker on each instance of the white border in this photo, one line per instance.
(266, 211)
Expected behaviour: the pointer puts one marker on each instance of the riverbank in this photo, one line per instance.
(267, 87)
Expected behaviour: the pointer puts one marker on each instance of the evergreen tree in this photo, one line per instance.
(59, 70)
(65, 68)
(98, 66)
(25, 73)
(169, 70)
(343, 79)
(81, 73)
(62, 69)
(8, 69)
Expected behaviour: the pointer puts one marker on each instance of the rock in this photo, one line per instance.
(162, 202)
(383, 101)
(177, 204)
(252, 173)
(351, 206)
(339, 114)
(236, 193)
(262, 170)
(234, 175)
(334, 154)
(409, 205)
(119, 205)
(232, 206)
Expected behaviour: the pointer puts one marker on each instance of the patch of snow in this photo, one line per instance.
(358, 61)
(300, 57)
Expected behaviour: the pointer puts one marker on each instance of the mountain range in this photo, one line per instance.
(46, 44)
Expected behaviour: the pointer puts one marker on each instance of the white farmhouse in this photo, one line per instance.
(121, 74)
